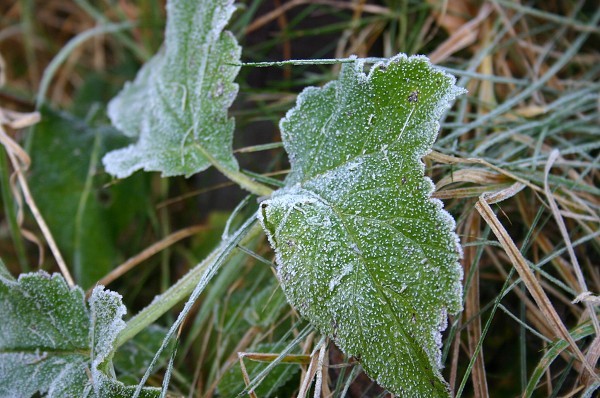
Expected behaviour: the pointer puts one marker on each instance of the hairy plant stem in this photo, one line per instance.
(244, 181)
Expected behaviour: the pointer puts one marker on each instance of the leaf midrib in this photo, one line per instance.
(412, 346)
(357, 242)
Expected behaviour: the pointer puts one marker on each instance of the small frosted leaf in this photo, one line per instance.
(43, 335)
(51, 342)
(362, 250)
(177, 105)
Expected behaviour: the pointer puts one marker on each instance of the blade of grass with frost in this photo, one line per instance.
(177, 105)
(362, 250)
(52, 342)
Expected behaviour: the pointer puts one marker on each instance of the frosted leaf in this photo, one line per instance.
(362, 250)
(52, 343)
(177, 105)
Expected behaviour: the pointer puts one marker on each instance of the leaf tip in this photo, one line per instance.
(121, 163)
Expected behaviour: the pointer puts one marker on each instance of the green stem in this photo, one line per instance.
(182, 288)
(244, 181)
(64, 53)
(327, 61)
(81, 208)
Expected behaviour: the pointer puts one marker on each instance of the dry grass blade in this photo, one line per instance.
(532, 284)
(592, 356)
(447, 159)
(320, 370)
(269, 357)
(465, 36)
(509, 192)
(316, 366)
(20, 162)
(149, 252)
(594, 349)
(308, 378)
(241, 356)
(475, 176)
(473, 309)
(565, 235)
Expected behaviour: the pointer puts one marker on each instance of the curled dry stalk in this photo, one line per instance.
(20, 162)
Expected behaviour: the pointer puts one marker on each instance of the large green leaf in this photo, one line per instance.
(85, 217)
(52, 342)
(177, 105)
(362, 250)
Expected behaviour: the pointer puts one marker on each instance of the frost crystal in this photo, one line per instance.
(374, 264)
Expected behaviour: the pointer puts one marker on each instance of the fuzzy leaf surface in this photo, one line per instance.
(51, 342)
(363, 251)
(177, 105)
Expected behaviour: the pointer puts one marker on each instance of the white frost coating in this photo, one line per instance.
(346, 270)
(362, 250)
(177, 105)
(53, 313)
(106, 321)
(59, 321)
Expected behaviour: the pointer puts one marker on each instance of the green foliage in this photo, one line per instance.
(265, 307)
(65, 154)
(232, 383)
(553, 351)
(132, 359)
(177, 106)
(363, 252)
(68, 346)
(361, 249)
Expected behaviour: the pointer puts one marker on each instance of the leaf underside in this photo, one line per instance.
(177, 105)
(51, 342)
(362, 250)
